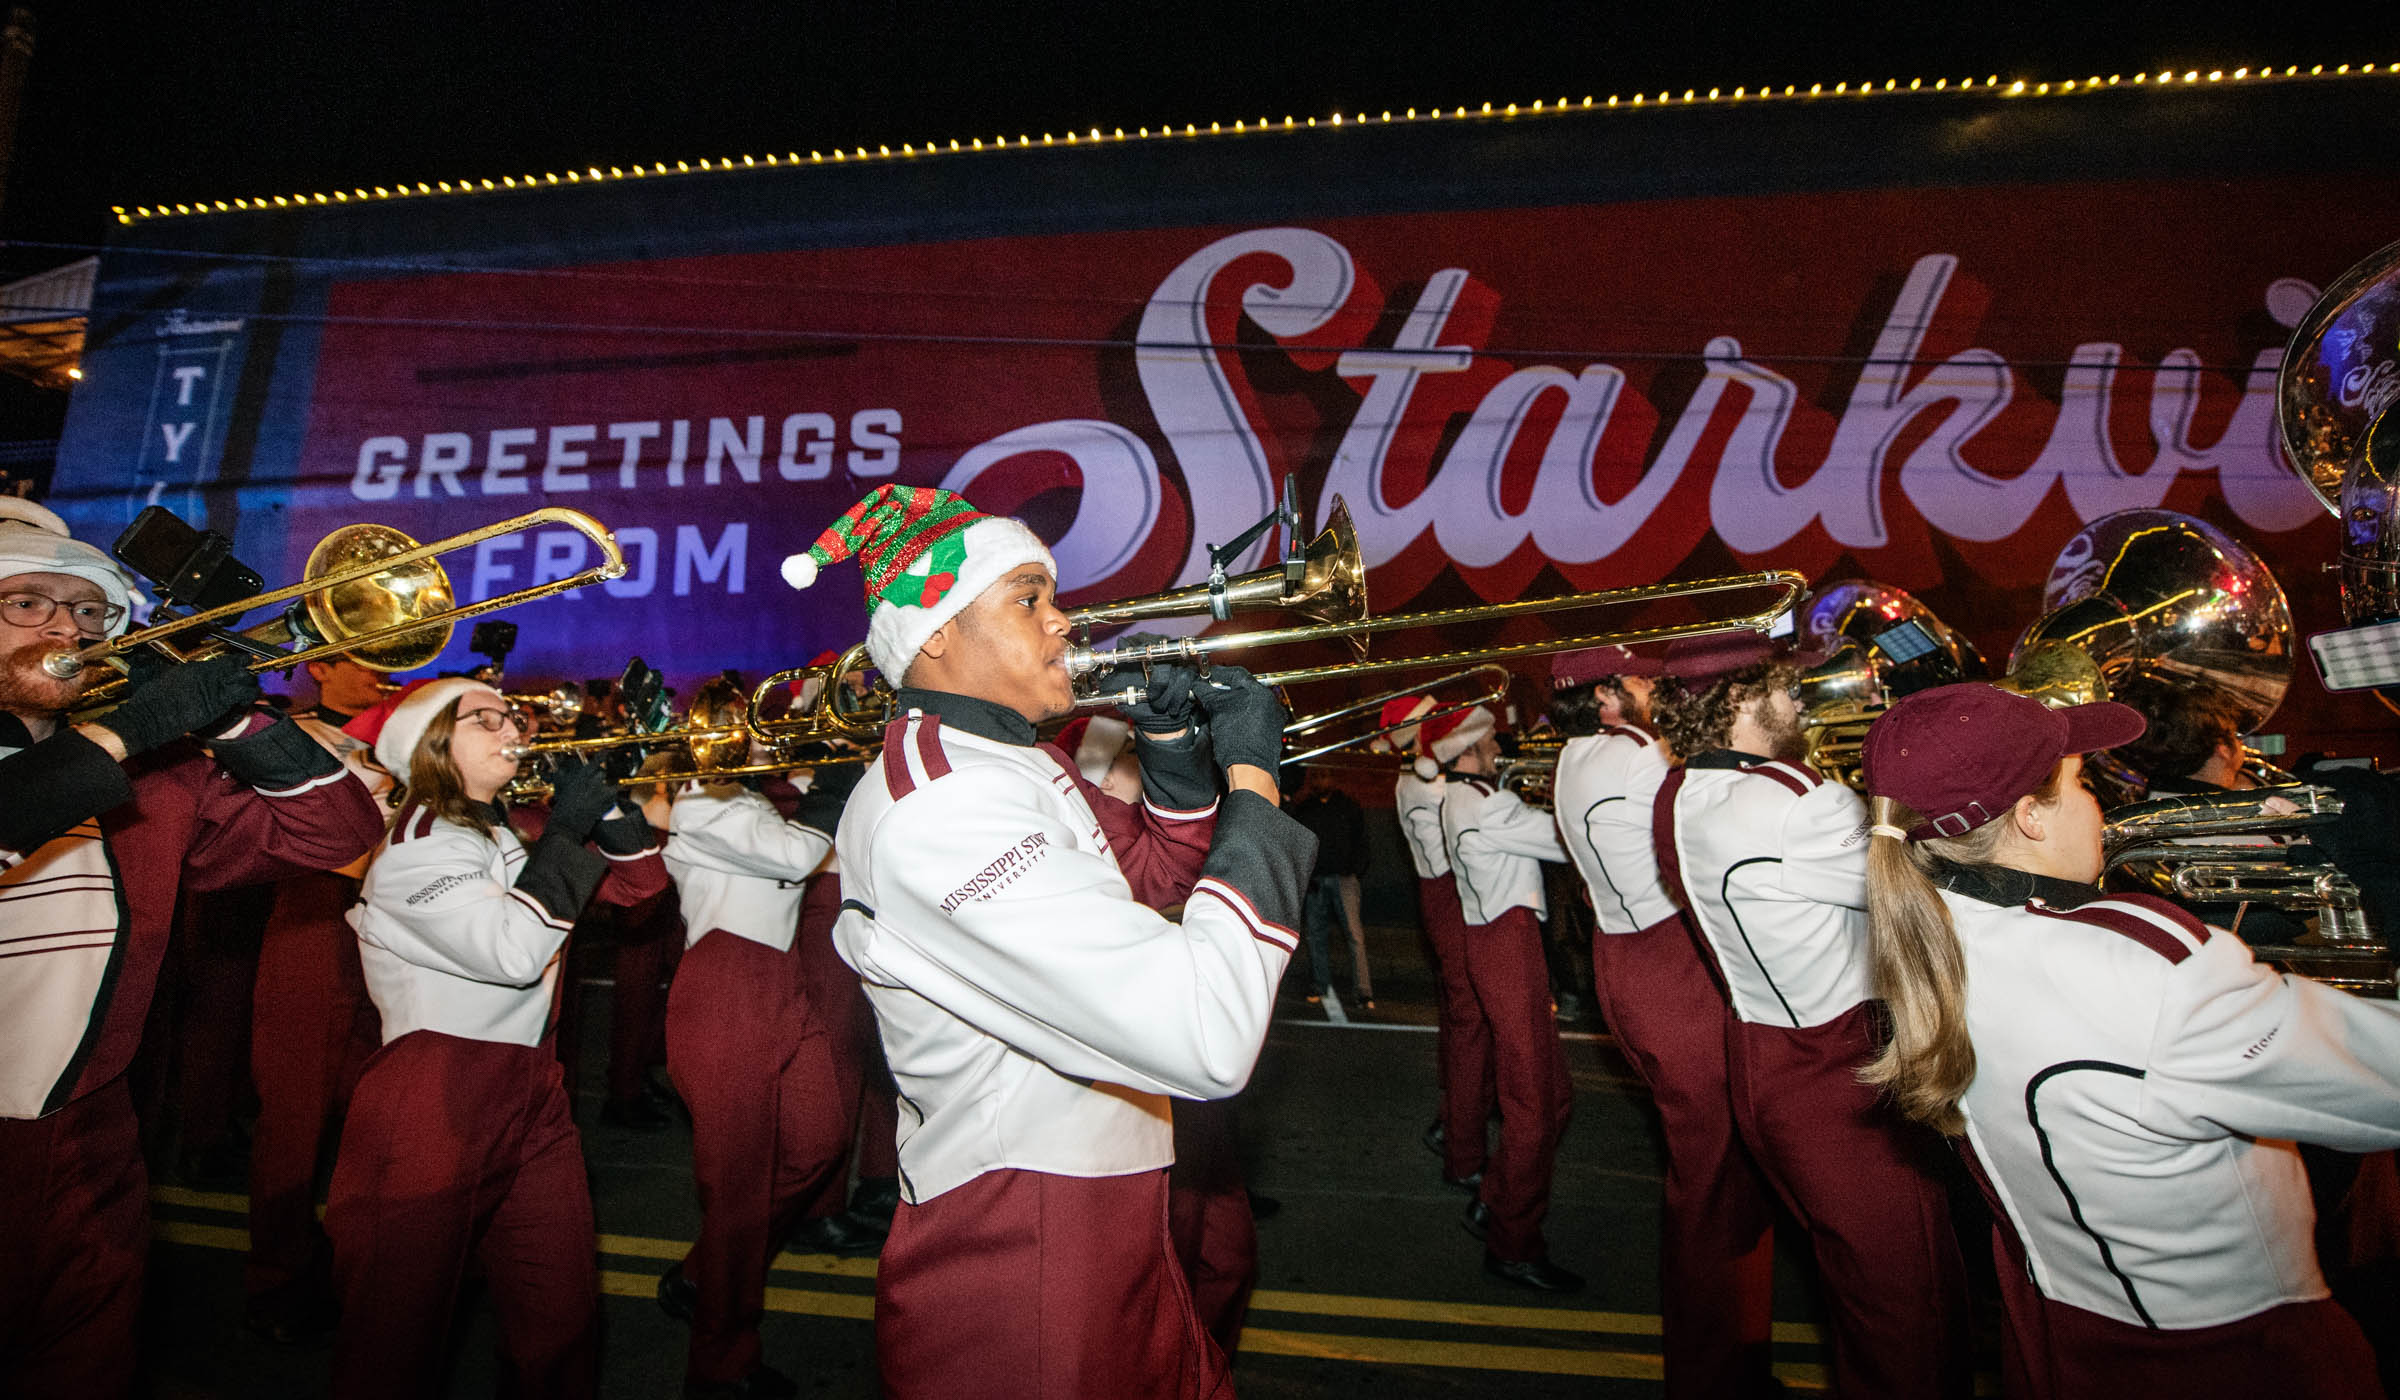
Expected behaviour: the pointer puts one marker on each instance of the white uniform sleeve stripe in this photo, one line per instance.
(311, 785)
(1239, 903)
(536, 906)
(1179, 814)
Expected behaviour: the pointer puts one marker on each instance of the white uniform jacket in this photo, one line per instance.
(740, 866)
(1034, 1010)
(1604, 791)
(1418, 804)
(457, 935)
(1496, 845)
(2138, 1079)
(1771, 861)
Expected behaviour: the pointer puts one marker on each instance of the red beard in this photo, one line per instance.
(27, 689)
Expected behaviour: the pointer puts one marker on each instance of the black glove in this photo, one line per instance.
(1245, 719)
(181, 700)
(1169, 706)
(581, 793)
(835, 780)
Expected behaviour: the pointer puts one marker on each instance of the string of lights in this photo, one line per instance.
(1989, 86)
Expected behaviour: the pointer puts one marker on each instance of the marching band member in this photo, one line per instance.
(1770, 863)
(460, 1140)
(1462, 1038)
(751, 1056)
(1716, 1240)
(1494, 843)
(311, 1031)
(2127, 1080)
(103, 824)
(1036, 1011)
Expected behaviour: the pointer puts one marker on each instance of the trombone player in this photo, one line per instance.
(1038, 1014)
(102, 825)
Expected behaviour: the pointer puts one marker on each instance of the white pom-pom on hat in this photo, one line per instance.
(1426, 768)
(799, 570)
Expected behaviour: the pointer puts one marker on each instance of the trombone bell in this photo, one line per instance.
(1331, 588)
(411, 593)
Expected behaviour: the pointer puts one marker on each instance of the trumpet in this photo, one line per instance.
(1492, 681)
(368, 592)
(1532, 772)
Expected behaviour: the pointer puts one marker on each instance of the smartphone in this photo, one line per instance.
(190, 568)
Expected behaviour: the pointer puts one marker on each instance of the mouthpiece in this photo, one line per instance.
(65, 665)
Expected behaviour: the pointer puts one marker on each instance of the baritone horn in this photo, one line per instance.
(368, 592)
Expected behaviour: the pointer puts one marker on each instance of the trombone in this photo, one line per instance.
(1493, 681)
(368, 592)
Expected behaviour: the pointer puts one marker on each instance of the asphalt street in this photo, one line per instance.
(1367, 1282)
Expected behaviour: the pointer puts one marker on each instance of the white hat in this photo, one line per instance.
(33, 540)
(396, 734)
(926, 554)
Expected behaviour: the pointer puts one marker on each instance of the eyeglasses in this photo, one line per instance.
(92, 617)
(491, 721)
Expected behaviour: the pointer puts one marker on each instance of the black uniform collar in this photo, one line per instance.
(981, 718)
(1725, 758)
(329, 715)
(13, 733)
(2006, 887)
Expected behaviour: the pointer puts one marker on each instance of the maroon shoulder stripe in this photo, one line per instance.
(1781, 774)
(2127, 924)
(895, 759)
(929, 748)
(1662, 836)
(1626, 731)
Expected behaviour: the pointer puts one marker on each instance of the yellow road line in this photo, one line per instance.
(860, 1305)
(808, 1302)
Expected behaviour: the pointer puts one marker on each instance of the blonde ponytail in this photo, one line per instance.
(1919, 972)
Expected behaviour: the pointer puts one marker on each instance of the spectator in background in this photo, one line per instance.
(1341, 832)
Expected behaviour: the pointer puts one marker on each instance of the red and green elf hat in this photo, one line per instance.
(926, 555)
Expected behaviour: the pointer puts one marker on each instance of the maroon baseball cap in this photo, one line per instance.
(1960, 755)
(1717, 654)
(1573, 668)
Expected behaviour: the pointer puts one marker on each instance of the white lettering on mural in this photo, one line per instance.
(444, 463)
(1758, 500)
(697, 562)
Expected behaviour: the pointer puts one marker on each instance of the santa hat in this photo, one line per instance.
(33, 540)
(926, 554)
(394, 724)
(1573, 668)
(1401, 716)
(1448, 736)
(1094, 741)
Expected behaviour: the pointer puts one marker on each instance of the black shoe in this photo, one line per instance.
(638, 1114)
(1532, 1273)
(846, 1234)
(876, 1198)
(1471, 1183)
(1478, 1218)
(1433, 1137)
(678, 1297)
(765, 1383)
(1262, 1207)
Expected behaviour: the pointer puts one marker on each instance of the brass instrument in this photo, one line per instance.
(1492, 680)
(1087, 662)
(2333, 396)
(368, 592)
(1532, 771)
(562, 705)
(1881, 644)
(2172, 846)
(713, 743)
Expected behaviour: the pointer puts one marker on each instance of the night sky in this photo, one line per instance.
(140, 102)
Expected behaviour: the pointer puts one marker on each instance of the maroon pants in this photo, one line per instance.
(1208, 1213)
(1716, 1235)
(218, 949)
(1529, 1073)
(753, 1063)
(74, 1232)
(311, 1031)
(649, 936)
(862, 1086)
(459, 1149)
(1859, 1179)
(1022, 1285)
(1462, 1038)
